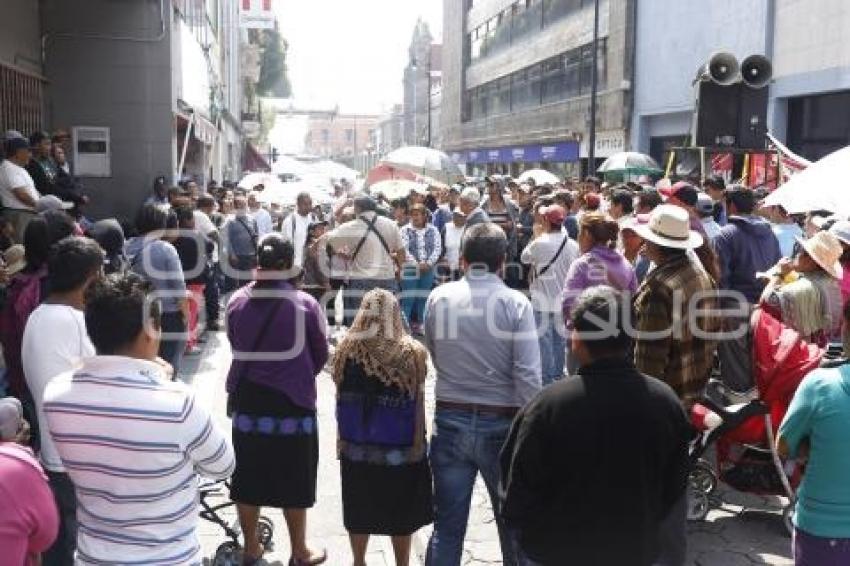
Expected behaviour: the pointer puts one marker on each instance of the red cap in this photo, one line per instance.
(688, 194)
(554, 214)
(592, 200)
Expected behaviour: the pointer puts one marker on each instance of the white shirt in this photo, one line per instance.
(264, 222)
(547, 289)
(14, 176)
(453, 237)
(205, 226)
(55, 341)
(133, 444)
(298, 236)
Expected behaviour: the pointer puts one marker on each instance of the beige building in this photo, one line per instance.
(341, 137)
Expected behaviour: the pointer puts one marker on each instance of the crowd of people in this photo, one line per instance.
(583, 315)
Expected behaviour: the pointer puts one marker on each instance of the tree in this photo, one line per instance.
(274, 81)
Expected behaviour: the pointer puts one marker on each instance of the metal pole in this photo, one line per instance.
(594, 84)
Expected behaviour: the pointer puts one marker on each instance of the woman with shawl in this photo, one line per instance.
(805, 293)
(379, 371)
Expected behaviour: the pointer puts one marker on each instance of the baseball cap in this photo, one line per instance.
(52, 202)
(705, 205)
(841, 230)
(683, 192)
(16, 144)
(554, 214)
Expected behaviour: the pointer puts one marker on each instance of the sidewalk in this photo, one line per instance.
(748, 530)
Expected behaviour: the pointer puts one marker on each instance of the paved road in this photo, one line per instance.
(747, 530)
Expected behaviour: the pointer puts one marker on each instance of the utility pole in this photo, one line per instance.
(594, 84)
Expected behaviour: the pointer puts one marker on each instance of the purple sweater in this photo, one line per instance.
(295, 347)
(600, 266)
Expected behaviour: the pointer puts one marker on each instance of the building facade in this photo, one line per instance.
(517, 82)
(145, 88)
(808, 98)
(390, 131)
(422, 79)
(340, 137)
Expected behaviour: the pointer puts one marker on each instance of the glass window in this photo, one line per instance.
(349, 135)
(553, 80)
(602, 64)
(534, 9)
(503, 95)
(535, 77)
(477, 42)
(519, 90)
(572, 75)
(586, 68)
(554, 10)
(502, 36)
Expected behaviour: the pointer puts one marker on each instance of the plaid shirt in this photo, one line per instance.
(676, 357)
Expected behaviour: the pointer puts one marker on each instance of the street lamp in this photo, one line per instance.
(414, 68)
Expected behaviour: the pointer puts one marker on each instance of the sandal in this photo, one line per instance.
(314, 562)
(253, 561)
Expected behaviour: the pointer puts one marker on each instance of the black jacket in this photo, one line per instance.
(593, 465)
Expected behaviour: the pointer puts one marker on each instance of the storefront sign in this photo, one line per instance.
(560, 152)
(607, 143)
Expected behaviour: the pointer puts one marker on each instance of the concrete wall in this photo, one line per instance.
(551, 122)
(124, 85)
(811, 53)
(673, 39)
(20, 35)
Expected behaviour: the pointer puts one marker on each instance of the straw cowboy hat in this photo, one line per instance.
(669, 227)
(826, 250)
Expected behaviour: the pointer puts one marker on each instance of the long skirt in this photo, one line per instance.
(277, 449)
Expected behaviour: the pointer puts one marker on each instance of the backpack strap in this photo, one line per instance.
(370, 228)
(554, 258)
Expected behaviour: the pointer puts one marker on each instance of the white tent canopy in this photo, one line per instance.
(824, 185)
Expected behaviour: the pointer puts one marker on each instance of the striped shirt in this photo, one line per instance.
(133, 443)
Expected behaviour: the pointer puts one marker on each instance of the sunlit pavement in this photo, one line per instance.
(746, 530)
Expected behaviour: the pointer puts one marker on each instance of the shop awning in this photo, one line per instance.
(253, 160)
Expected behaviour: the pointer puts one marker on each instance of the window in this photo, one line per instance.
(553, 80)
(20, 100)
(519, 91)
(502, 96)
(349, 135)
(572, 78)
(325, 136)
(602, 64)
(554, 10)
(477, 42)
(586, 68)
(502, 31)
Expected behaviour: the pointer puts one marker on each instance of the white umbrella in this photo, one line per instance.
(285, 194)
(394, 188)
(268, 180)
(821, 186)
(425, 161)
(540, 176)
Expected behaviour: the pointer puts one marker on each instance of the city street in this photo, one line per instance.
(748, 530)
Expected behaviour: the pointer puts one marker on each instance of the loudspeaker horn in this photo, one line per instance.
(756, 71)
(721, 68)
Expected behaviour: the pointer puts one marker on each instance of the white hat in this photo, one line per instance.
(841, 230)
(52, 202)
(826, 250)
(669, 227)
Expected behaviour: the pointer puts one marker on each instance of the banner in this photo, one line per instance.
(256, 14)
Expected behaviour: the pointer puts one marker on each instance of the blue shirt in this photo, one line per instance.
(820, 412)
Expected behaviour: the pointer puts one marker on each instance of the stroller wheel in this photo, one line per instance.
(697, 505)
(787, 513)
(227, 554)
(702, 478)
(265, 532)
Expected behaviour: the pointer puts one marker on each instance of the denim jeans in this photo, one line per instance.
(550, 334)
(463, 445)
(171, 349)
(415, 287)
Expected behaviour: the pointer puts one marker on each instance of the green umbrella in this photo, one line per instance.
(630, 163)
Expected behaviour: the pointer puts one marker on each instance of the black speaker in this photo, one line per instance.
(731, 116)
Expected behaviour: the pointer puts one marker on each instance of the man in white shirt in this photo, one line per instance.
(550, 255)
(212, 291)
(452, 237)
(55, 341)
(132, 440)
(294, 227)
(18, 194)
(260, 215)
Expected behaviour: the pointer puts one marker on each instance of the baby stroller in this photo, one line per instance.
(743, 426)
(229, 553)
